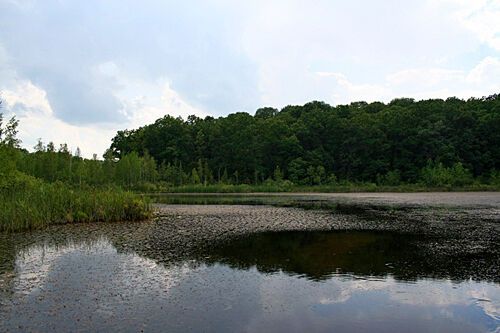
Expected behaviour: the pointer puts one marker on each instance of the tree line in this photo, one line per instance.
(436, 142)
(58, 164)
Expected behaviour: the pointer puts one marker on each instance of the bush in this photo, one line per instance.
(438, 175)
(495, 177)
(391, 178)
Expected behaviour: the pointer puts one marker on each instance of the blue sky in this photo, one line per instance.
(77, 71)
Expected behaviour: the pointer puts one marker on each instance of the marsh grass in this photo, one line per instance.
(29, 203)
(336, 188)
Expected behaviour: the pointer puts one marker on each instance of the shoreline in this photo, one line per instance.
(431, 199)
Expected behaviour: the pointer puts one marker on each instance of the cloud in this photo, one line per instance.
(27, 97)
(144, 101)
(116, 64)
(487, 71)
(480, 17)
(361, 43)
(57, 45)
(145, 110)
(345, 91)
(419, 83)
(38, 120)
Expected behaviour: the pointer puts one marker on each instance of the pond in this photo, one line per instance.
(160, 276)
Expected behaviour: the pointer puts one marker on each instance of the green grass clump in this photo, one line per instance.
(334, 188)
(29, 203)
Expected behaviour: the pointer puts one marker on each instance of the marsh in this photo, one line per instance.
(413, 263)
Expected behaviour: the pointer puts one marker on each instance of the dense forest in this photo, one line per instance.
(435, 142)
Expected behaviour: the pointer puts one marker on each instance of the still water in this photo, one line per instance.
(73, 279)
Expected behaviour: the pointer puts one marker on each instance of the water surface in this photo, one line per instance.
(349, 281)
(135, 276)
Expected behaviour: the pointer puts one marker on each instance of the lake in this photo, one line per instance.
(253, 263)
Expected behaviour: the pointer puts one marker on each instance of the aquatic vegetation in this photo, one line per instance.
(28, 203)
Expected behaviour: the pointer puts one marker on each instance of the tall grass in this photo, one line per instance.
(28, 203)
(336, 188)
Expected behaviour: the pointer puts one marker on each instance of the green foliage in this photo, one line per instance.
(9, 146)
(391, 178)
(278, 175)
(297, 170)
(195, 178)
(28, 200)
(225, 177)
(495, 177)
(27, 203)
(436, 174)
(401, 146)
(331, 180)
(314, 144)
(339, 187)
(316, 175)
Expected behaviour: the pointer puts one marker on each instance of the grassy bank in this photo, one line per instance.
(340, 188)
(29, 203)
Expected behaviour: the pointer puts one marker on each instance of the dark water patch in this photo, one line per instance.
(320, 255)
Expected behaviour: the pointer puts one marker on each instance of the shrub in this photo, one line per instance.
(438, 175)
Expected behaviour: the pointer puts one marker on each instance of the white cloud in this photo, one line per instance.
(442, 295)
(145, 110)
(29, 103)
(28, 97)
(486, 72)
(425, 76)
(102, 63)
(144, 101)
(419, 83)
(346, 91)
(358, 45)
(482, 17)
(37, 119)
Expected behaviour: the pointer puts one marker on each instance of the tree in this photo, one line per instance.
(78, 152)
(10, 133)
(366, 142)
(39, 147)
(195, 178)
(266, 113)
(278, 175)
(9, 145)
(149, 169)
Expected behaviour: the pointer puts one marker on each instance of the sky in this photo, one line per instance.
(75, 71)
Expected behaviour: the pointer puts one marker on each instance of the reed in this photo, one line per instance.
(29, 203)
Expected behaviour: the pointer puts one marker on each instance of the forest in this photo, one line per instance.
(434, 142)
(405, 145)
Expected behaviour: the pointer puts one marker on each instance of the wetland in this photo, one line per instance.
(300, 262)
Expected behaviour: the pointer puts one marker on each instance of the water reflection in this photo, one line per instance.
(316, 281)
(319, 255)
